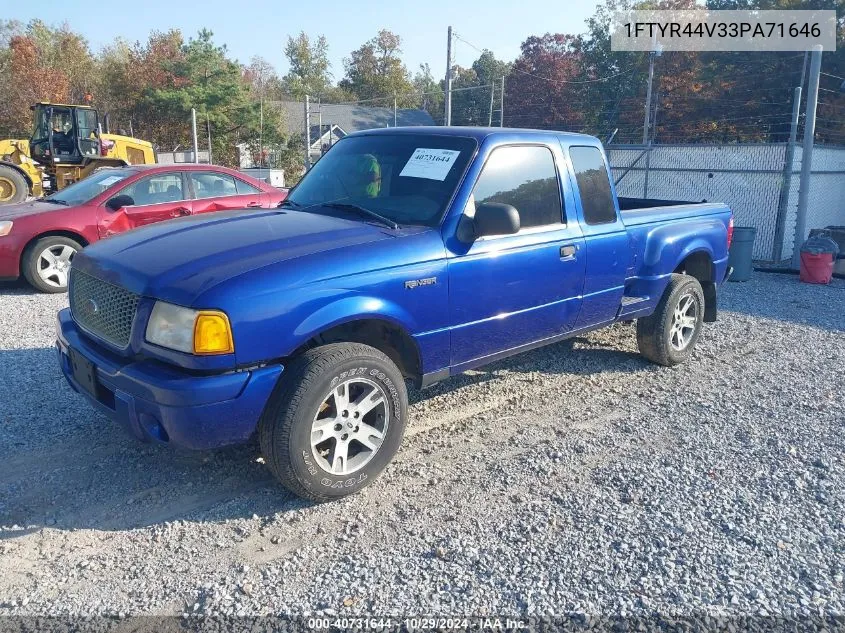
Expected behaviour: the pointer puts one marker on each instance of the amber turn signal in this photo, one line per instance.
(212, 333)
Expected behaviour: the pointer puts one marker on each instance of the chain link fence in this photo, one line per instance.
(752, 179)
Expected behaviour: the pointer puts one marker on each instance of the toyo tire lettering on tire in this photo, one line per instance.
(348, 483)
(334, 421)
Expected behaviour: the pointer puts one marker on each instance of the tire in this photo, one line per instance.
(13, 186)
(35, 263)
(659, 337)
(311, 392)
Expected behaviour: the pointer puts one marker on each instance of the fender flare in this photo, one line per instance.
(346, 310)
(696, 246)
(659, 253)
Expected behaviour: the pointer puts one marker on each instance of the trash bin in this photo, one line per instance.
(837, 234)
(739, 257)
(818, 255)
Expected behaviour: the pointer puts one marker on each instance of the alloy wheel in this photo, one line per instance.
(684, 321)
(350, 426)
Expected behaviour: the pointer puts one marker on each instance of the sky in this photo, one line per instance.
(261, 27)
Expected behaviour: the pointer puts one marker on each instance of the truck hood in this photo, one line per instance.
(178, 260)
(14, 211)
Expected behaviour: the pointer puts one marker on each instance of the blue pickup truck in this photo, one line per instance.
(403, 255)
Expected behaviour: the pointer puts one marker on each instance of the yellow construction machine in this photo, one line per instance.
(67, 144)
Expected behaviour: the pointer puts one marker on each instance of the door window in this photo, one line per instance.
(593, 185)
(245, 188)
(86, 123)
(211, 185)
(525, 178)
(156, 189)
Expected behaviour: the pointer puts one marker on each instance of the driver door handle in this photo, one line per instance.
(253, 204)
(568, 251)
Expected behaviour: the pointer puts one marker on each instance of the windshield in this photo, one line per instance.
(90, 187)
(407, 178)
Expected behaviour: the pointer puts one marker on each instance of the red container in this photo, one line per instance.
(816, 268)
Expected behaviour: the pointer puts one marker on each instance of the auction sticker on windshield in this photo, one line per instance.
(105, 182)
(433, 164)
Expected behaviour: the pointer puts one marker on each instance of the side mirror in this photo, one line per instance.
(495, 218)
(118, 202)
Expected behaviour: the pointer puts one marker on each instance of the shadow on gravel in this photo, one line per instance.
(578, 355)
(19, 287)
(65, 466)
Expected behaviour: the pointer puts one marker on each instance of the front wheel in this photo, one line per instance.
(335, 420)
(46, 264)
(668, 336)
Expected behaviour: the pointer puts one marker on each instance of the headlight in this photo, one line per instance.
(190, 331)
(5, 227)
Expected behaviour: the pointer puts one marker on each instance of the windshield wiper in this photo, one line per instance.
(52, 201)
(348, 206)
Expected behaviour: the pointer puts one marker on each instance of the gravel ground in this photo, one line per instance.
(575, 479)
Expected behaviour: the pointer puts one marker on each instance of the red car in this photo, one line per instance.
(38, 239)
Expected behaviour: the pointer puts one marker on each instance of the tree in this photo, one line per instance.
(28, 81)
(129, 75)
(40, 63)
(540, 91)
(472, 107)
(205, 79)
(429, 93)
(263, 81)
(375, 70)
(309, 66)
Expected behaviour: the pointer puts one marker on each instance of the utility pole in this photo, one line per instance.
(448, 107)
(807, 153)
(646, 123)
(502, 104)
(320, 123)
(786, 178)
(394, 110)
(261, 117)
(208, 130)
(490, 118)
(653, 125)
(194, 135)
(307, 134)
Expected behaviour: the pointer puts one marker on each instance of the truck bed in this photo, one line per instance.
(637, 211)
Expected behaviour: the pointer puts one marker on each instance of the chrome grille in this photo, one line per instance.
(101, 308)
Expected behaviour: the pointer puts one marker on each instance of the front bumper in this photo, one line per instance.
(159, 402)
(10, 257)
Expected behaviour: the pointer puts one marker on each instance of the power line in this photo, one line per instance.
(568, 82)
(470, 44)
(560, 81)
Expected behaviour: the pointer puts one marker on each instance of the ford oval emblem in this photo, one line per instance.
(93, 308)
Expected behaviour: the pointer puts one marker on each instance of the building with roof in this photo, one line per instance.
(338, 120)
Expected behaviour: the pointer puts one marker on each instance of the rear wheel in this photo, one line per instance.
(335, 420)
(13, 186)
(46, 263)
(668, 336)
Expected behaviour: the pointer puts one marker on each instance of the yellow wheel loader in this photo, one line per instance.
(67, 144)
